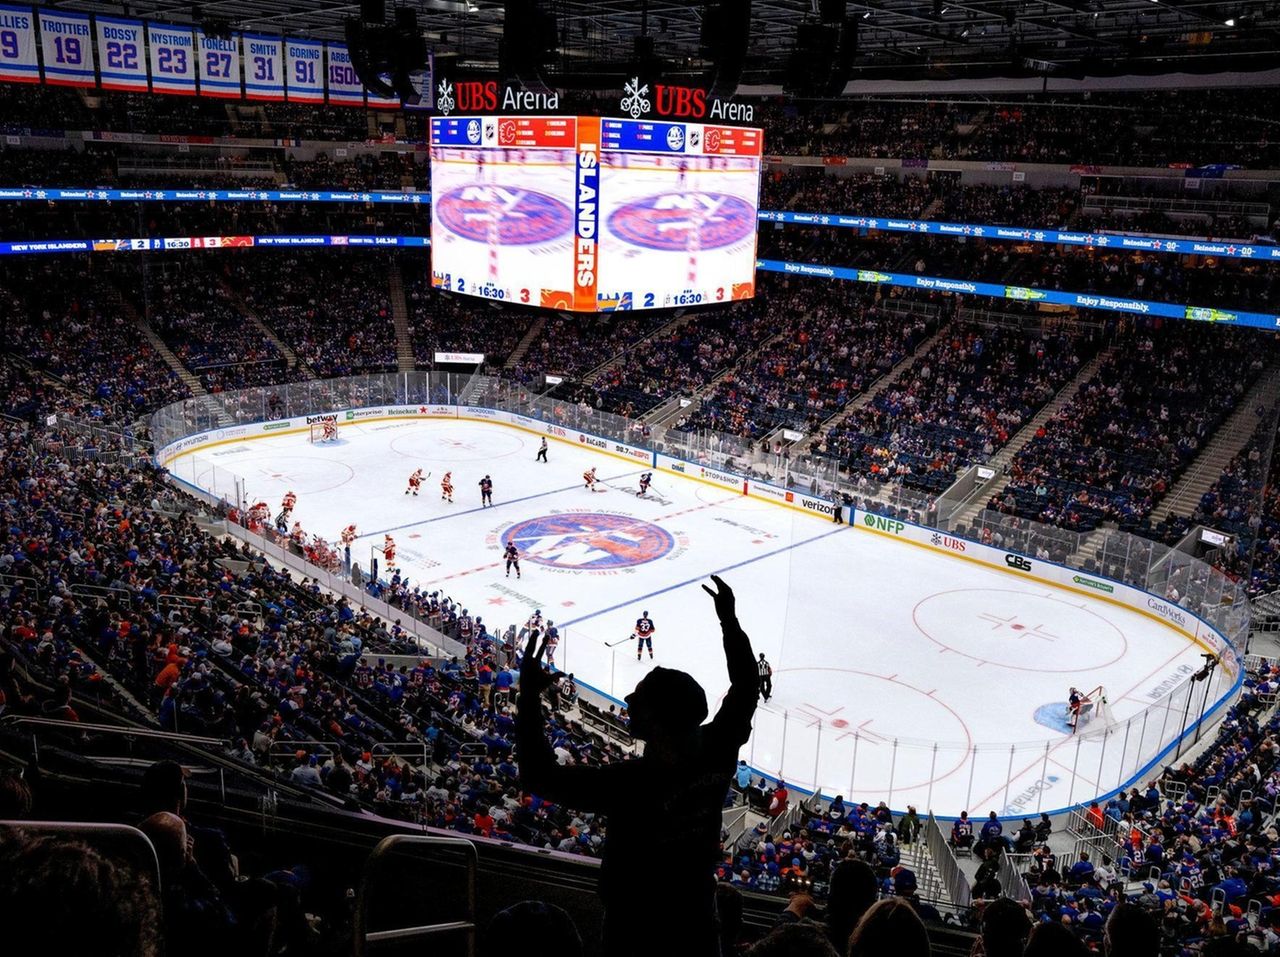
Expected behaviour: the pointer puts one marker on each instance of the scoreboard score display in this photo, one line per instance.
(594, 214)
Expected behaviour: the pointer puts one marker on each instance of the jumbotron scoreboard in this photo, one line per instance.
(590, 214)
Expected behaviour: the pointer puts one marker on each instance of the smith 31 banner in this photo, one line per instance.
(304, 62)
(263, 68)
(18, 45)
(345, 88)
(66, 40)
(121, 63)
(219, 65)
(1081, 300)
(173, 59)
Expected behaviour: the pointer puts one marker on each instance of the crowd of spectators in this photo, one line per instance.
(1194, 851)
(193, 313)
(1155, 128)
(1125, 437)
(258, 657)
(65, 319)
(451, 323)
(837, 343)
(957, 404)
(332, 308)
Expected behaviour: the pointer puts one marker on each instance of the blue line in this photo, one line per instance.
(469, 511)
(697, 578)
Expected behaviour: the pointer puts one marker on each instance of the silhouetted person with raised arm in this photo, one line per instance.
(663, 808)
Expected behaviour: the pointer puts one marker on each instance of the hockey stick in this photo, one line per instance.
(614, 644)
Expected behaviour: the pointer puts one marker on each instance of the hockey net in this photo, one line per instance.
(318, 433)
(1091, 708)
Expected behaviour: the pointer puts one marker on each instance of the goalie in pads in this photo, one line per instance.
(1083, 707)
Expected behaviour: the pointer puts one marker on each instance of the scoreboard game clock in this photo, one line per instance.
(594, 214)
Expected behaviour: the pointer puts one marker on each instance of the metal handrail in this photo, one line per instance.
(364, 936)
(80, 726)
(945, 863)
(98, 834)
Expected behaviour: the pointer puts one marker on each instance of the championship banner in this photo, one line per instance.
(263, 68)
(121, 61)
(219, 65)
(304, 61)
(18, 62)
(173, 59)
(345, 88)
(66, 40)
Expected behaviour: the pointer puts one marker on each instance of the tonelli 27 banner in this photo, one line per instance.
(591, 214)
(18, 62)
(219, 65)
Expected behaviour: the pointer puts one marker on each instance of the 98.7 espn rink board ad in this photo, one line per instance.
(594, 214)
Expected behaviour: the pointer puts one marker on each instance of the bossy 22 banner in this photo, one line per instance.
(121, 54)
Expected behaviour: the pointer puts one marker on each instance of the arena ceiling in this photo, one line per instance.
(894, 37)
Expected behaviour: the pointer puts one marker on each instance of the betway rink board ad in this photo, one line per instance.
(592, 214)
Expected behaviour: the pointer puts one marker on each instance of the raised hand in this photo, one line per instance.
(726, 607)
(533, 676)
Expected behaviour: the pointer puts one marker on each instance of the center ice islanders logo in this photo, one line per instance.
(677, 222)
(522, 217)
(589, 541)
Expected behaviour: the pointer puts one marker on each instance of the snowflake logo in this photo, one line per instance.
(936, 539)
(635, 100)
(444, 97)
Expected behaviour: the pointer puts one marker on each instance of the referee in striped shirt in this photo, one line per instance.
(766, 677)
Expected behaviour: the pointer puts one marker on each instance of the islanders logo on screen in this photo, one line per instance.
(523, 217)
(673, 222)
(589, 541)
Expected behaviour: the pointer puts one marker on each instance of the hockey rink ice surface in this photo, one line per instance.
(872, 640)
